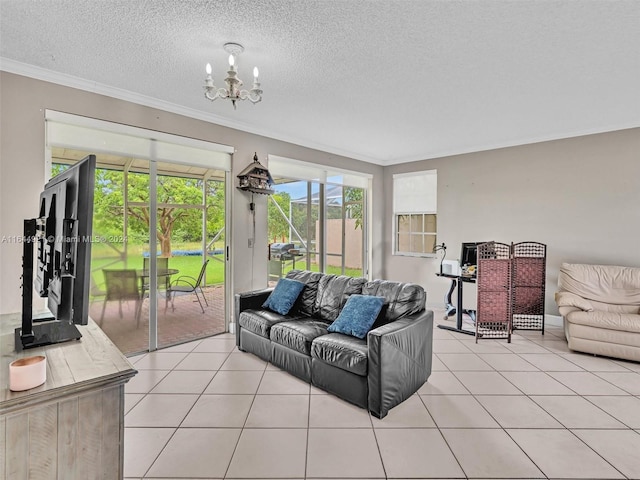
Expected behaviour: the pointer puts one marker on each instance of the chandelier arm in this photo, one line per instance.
(213, 93)
(210, 93)
(255, 97)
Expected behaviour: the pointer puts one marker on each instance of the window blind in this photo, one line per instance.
(415, 192)
(97, 136)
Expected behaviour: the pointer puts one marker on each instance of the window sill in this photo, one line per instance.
(409, 254)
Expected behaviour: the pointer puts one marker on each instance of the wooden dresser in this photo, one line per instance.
(72, 426)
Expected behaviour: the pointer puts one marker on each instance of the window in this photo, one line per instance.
(322, 212)
(159, 190)
(415, 213)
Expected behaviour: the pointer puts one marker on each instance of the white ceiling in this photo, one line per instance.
(381, 81)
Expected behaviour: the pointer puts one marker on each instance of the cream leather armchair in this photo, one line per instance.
(600, 306)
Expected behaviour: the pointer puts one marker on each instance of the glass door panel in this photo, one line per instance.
(335, 228)
(216, 248)
(292, 227)
(190, 273)
(354, 229)
(119, 302)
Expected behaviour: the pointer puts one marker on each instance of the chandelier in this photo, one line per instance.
(233, 91)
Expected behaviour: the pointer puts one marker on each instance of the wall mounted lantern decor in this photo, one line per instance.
(256, 178)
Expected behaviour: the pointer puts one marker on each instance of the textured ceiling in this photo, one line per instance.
(382, 81)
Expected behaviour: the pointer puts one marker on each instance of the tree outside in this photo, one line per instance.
(179, 221)
(179, 218)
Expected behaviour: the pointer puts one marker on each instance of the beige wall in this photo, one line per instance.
(580, 196)
(22, 138)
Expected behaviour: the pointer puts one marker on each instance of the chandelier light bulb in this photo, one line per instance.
(232, 61)
(255, 73)
(208, 68)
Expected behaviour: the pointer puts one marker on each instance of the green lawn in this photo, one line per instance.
(186, 264)
(301, 265)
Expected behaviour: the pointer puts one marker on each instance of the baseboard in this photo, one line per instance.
(553, 320)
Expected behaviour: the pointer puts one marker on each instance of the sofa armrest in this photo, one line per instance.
(568, 299)
(400, 356)
(248, 300)
(565, 311)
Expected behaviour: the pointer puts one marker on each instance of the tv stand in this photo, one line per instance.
(46, 334)
(49, 332)
(42, 317)
(72, 426)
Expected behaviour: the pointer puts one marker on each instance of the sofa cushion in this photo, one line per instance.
(298, 335)
(609, 307)
(626, 322)
(602, 283)
(401, 299)
(357, 315)
(261, 321)
(305, 305)
(342, 351)
(333, 291)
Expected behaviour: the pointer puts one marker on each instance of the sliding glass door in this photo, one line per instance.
(316, 226)
(158, 265)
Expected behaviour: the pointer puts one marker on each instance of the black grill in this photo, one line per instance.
(280, 250)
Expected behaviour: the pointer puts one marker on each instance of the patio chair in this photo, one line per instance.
(95, 292)
(162, 263)
(188, 284)
(123, 286)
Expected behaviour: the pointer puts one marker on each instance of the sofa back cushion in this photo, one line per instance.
(401, 299)
(611, 308)
(306, 303)
(333, 292)
(603, 283)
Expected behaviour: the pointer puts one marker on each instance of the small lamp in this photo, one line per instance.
(441, 248)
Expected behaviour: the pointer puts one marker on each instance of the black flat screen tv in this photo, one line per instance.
(62, 233)
(469, 253)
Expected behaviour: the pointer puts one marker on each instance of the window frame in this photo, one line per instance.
(423, 213)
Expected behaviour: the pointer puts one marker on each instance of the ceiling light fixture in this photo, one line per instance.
(234, 90)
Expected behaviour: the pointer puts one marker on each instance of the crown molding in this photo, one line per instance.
(514, 143)
(38, 73)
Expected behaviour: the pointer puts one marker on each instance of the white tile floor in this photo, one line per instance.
(529, 409)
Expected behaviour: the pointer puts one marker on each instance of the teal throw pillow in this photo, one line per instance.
(358, 315)
(283, 296)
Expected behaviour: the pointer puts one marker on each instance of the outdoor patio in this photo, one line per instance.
(185, 323)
